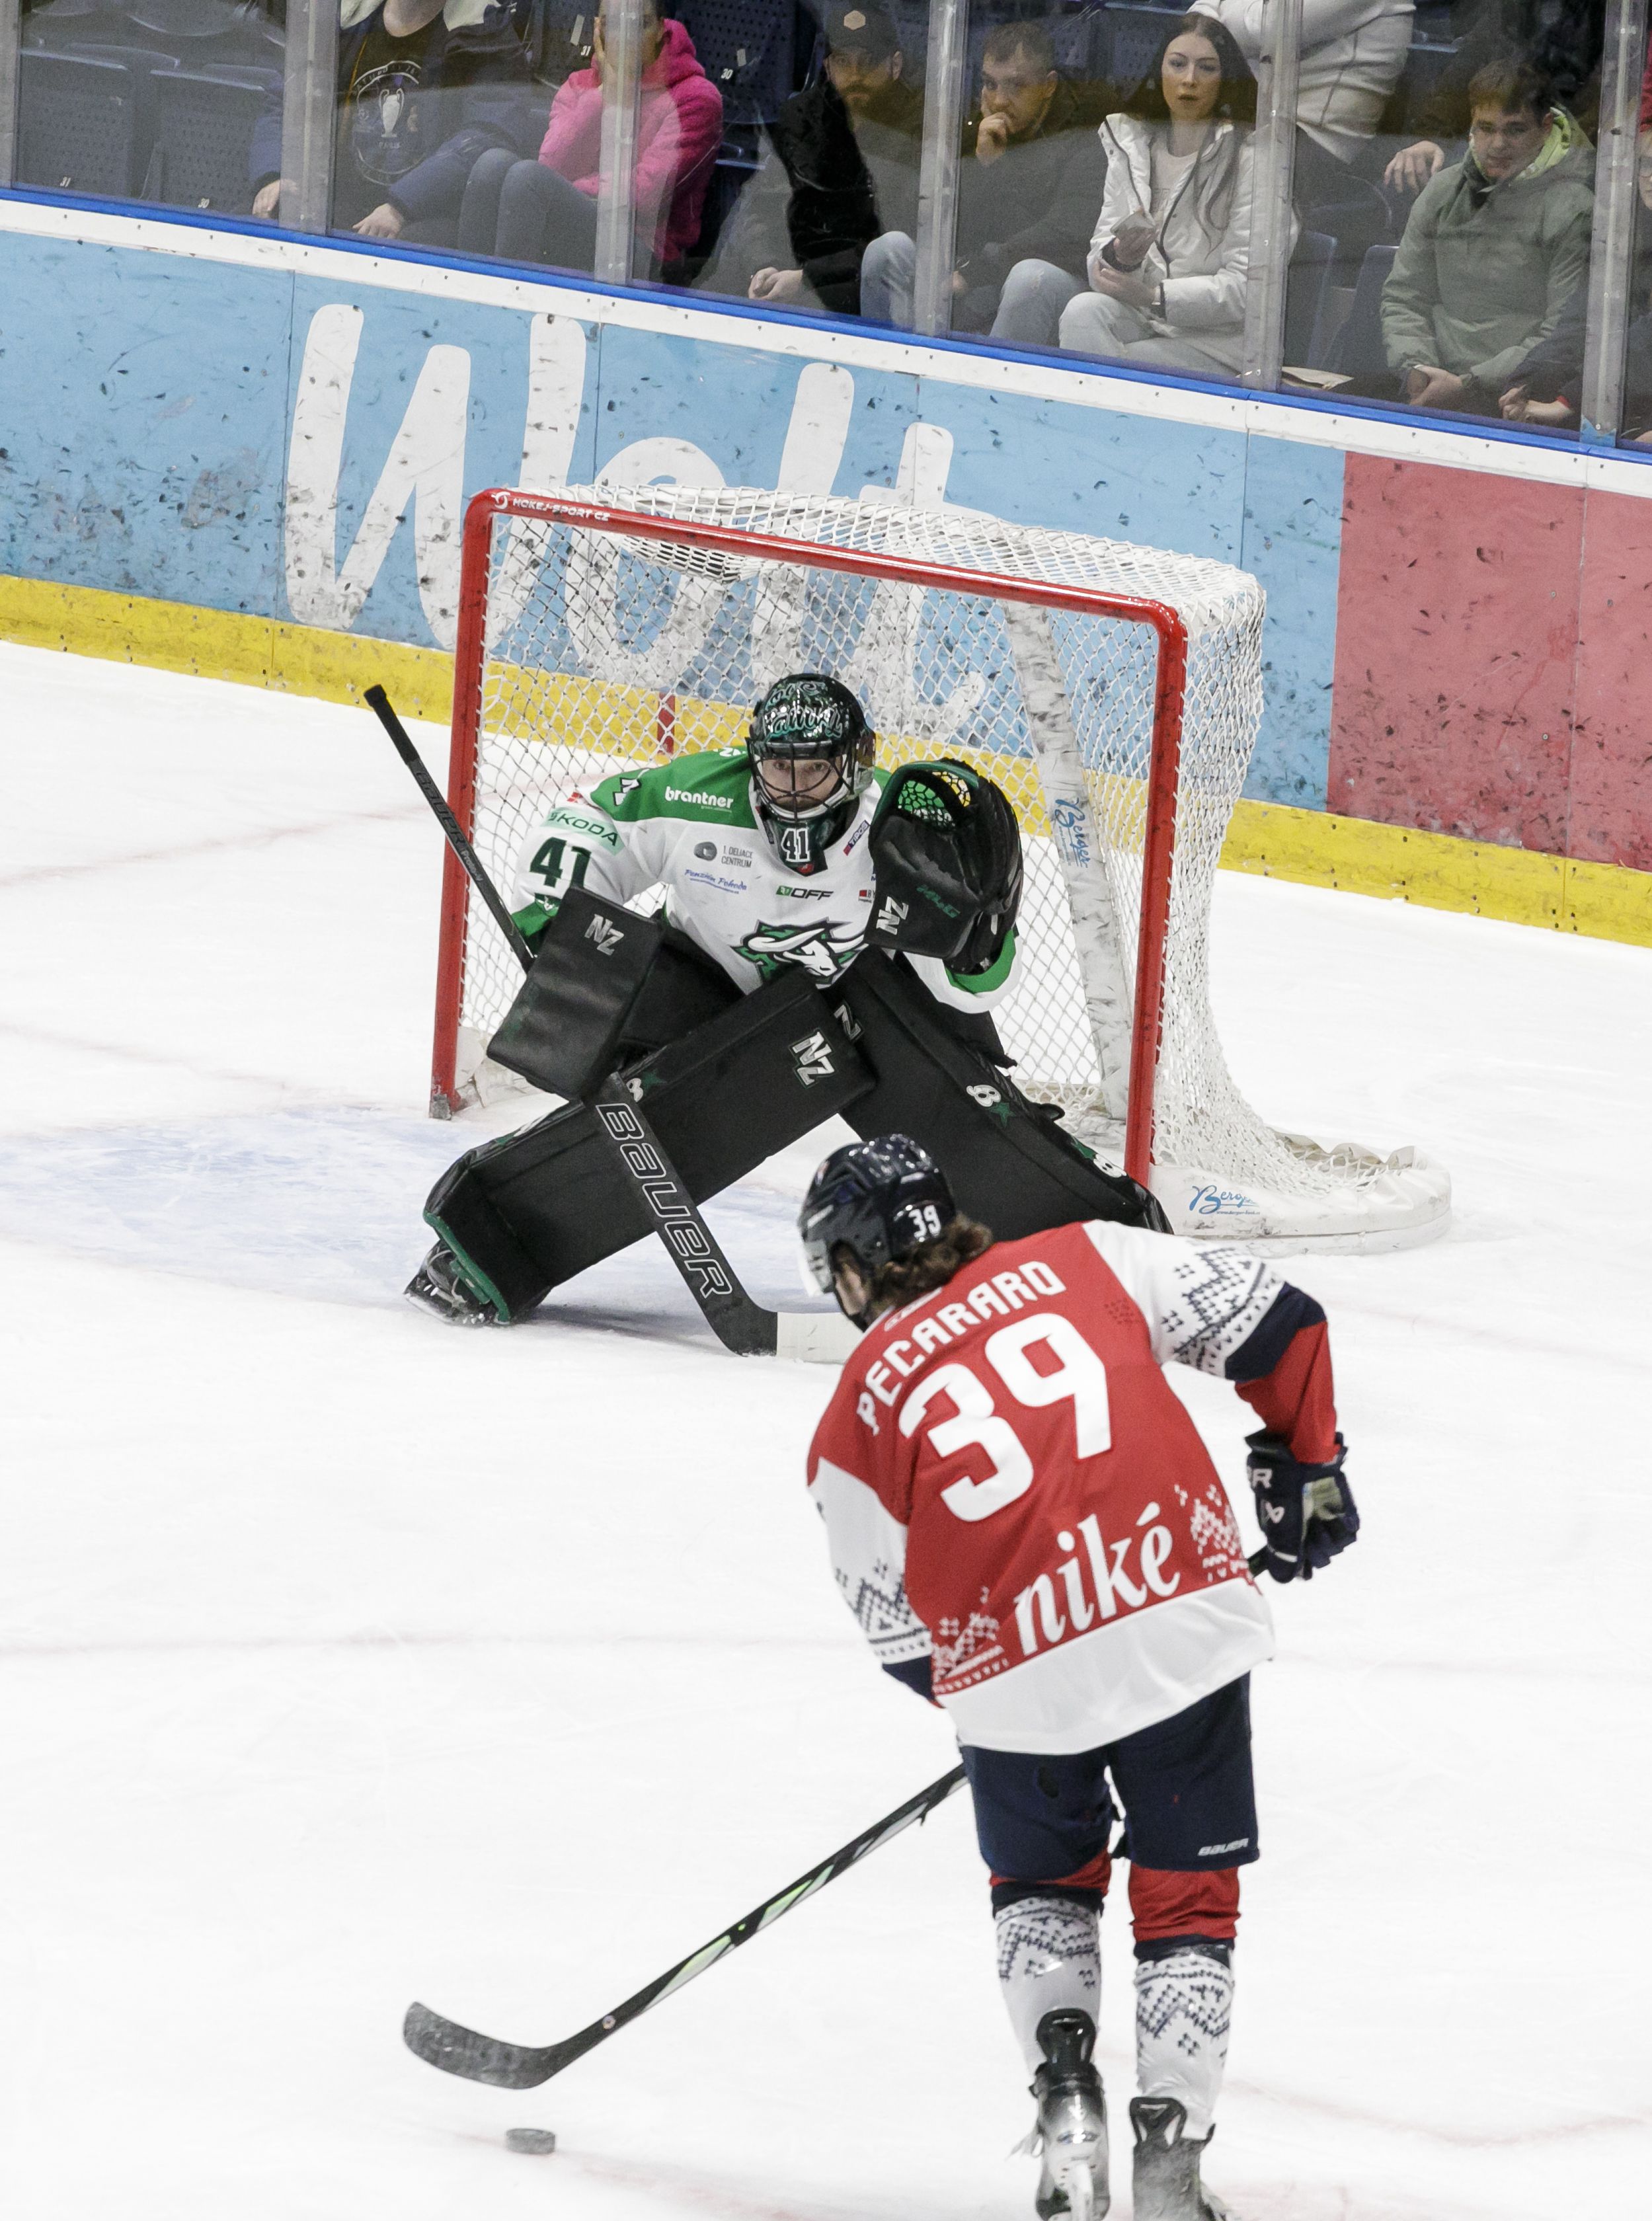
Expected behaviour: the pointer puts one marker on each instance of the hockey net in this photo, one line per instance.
(1113, 691)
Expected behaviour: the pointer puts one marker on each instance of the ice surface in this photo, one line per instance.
(347, 1659)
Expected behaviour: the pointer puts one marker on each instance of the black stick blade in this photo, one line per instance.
(478, 2058)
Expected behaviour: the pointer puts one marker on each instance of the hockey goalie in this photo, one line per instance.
(833, 941)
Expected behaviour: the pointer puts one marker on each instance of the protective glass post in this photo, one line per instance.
(11, 48)
(307, 114)
(1616, 207)
(1275, 178)
(937, 188)
(621, 22)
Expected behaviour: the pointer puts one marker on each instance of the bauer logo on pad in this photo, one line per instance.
(607, 937)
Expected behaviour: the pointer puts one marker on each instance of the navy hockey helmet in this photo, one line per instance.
(879, 1199)
(812, 750)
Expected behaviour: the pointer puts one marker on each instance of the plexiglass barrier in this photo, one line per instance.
(1443, 209)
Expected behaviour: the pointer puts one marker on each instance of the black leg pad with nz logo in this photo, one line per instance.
(526, 1213)
(605, 985)
(1011, 1168)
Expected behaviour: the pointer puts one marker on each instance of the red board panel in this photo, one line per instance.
(1611, 749)
(1456, 643)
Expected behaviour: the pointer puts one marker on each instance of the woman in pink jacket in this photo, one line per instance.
(546, 211)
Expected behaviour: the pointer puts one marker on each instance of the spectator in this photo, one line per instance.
(1493, 248)
(1547, 387)
(545, 210)
(841, 166)
(1028, 188)
(1167, 263)
(422, 90)
(1560, 39)
(1354, 52)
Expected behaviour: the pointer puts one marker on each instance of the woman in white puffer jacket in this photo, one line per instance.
(1168, 262)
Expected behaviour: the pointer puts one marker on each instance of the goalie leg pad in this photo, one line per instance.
(527, 1212)
(1011, 1169)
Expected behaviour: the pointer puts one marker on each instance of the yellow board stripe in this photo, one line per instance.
(1608, 902)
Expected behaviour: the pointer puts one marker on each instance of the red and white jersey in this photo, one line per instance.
(1011, 1487)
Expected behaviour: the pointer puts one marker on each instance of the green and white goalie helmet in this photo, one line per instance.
(811, 751)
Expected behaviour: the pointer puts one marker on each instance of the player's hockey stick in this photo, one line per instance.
(459, 2051)
(379, 702)
(740, 1325)
(524, 2066)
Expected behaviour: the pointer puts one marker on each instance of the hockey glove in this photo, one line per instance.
(946, 853)
(1306, 1513)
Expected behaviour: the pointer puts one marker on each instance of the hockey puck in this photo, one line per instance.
(530, 2140)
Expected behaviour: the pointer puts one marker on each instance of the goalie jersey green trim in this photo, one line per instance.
(688, 829)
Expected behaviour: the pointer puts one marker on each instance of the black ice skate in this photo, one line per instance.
(1072, 2129)
(1167, 2186)
(439, 1287)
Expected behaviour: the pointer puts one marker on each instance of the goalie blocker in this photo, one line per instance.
(723, 1092)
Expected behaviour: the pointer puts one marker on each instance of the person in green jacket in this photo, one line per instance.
(1492, 248)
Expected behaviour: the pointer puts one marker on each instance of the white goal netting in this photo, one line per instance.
(604, 650)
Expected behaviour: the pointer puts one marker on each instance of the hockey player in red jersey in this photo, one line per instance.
(1026, 1523)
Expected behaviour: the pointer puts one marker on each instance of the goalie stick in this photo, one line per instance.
(443, 2042)
(401, 740)
(741, 1325)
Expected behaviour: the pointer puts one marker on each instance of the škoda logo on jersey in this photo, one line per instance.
(811, 1058)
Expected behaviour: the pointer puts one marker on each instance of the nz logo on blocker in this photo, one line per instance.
(607, 937)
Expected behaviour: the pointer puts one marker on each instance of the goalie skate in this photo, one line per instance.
(1072, 2127)
(441, 1288)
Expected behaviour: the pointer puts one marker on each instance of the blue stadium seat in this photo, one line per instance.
(204, 130)
(85, 122)
(1305, 304)
(1136, 35)
(1425, 65)
(747, 47)
(558, 34)
(1357, 351)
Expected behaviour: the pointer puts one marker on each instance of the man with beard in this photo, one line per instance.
(841, 167)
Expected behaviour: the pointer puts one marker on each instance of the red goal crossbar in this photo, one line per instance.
(500, 505)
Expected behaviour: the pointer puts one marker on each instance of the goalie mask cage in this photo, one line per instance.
(1113, 691)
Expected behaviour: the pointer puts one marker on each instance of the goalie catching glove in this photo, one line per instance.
(1306, 1513)
(946, 852)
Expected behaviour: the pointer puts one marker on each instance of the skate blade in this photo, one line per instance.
(1077, 2183)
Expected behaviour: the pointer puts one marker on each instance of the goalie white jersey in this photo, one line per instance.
(689, 827)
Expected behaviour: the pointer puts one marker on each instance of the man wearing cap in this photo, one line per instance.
(1028, 191)
(841, 168)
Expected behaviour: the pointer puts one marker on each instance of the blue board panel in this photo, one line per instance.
(737, 416)
(1293, 542)
(144, 402)
(1179, 486)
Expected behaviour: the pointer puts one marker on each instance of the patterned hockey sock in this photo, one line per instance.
(1049, 1955)
(1183, 2004)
